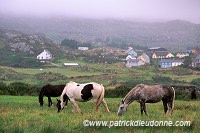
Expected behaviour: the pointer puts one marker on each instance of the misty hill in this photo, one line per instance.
(20, 49)
(174, 35)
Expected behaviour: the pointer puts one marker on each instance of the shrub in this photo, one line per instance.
(120, 91)
(163, 80)
(196, 82)
(181, 71)
(19, 88)
(3, 89)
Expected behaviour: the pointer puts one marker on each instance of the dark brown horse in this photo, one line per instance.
(50, 91)
(149, 94)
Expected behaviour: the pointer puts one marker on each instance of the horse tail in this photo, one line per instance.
(173, 98)
(41, 95)
(101, 96)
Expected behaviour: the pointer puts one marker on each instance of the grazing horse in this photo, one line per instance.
(50, 91)
(149, 94)
(82, 92)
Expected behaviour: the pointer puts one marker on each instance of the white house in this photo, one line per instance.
(130, 57)
(134, 62)
(45, 55)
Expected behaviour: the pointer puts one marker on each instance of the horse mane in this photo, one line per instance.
(139, 85)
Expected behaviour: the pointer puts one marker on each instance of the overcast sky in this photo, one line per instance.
(119, 9)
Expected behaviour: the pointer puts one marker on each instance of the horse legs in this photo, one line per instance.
(75, 105)
(66, 102)
(95, 102)
(49, 101)
(165, 106)
(105, 105)
(143, 108)
(170, 107)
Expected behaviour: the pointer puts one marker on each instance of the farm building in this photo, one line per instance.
(167, 63)
(134, 62)
(161, 55)
(45, 55)
(131, 51)
(145, 58)
(181, 55)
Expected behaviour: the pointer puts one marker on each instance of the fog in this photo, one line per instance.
(151, 10)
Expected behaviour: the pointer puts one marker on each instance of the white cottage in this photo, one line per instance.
(45, 55)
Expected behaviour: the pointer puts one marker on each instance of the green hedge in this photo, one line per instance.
(20, 88)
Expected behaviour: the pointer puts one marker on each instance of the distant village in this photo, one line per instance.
(136, 58)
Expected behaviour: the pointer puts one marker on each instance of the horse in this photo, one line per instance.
(50, 91)
(149, 94)
(82, 92)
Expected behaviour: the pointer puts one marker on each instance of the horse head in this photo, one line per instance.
(58, 105)
(122, 108)
(41, 101)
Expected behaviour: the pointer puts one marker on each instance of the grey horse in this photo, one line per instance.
(149, 94)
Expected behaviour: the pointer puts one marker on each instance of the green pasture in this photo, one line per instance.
(110, 75)
(69, 72)
(20, 114)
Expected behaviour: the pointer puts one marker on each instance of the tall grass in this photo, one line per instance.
(23, 114)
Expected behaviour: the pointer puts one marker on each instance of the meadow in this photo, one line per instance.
(110, 75)
(20, 114)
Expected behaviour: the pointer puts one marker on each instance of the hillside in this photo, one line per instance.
(20, 50)
(174, 35)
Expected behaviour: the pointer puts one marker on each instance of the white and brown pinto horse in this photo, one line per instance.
(82, 92)
(149, 94)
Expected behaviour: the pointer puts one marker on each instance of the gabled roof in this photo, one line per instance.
(164, 53)
(128, 50)
(47, 52)
(145, 56)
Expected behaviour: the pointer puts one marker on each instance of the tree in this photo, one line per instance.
(70, 43)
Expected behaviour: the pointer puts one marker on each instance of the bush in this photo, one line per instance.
(3, 89)
(163, 80)
(19, 89)
(182, 94)
(120, 91)
(180, 71)
(196, 82)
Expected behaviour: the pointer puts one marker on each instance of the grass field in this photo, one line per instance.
(23, 114)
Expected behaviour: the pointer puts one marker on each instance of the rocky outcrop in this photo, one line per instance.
(28, 43)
